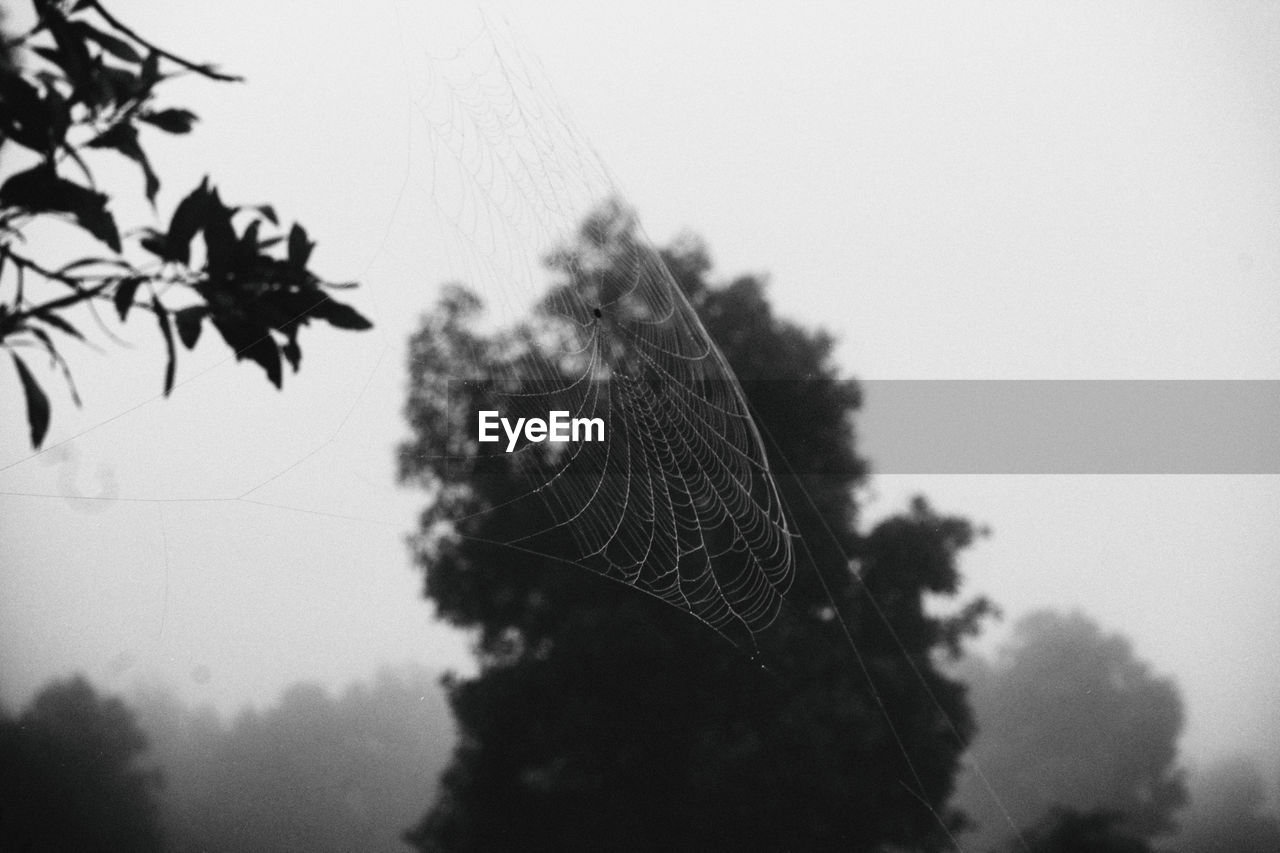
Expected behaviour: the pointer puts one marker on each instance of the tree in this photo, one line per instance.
(1070, 831)
(314, 771)
(603, 718)
(86, 85)
(1070, 719)
(69, 776)
(1228, 811)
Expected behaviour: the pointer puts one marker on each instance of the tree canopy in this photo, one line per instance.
(1071, 719)
(84, 84)
(603, 718)
(70, 777)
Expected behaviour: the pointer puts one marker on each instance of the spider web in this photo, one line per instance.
(678, 500)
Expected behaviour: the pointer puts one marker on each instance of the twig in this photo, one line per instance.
(203, 70)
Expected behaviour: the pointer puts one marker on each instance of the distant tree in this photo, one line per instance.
(1069, 718)
(314, 771)
(603, 718)
(84, 84)
(1070, 831)
(70, 780)
(1228, 811)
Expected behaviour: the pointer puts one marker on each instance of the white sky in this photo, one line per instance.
(995, 190)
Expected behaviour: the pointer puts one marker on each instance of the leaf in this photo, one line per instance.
(151, 70)
(25, 118)
(299, 246)
(249, 239)
(37, 403)
(123, 297)
(157, 244)
(59, 323)
(122, 86)
(40, 189)
(58, 361)
(252, 342)
(170, 121)
(162, 317)
(123, 137)
(72, 53)
(219, 237)
(117, 47)
(341, 316)
(269, 212)
(188, 321)
(266, 352)
(293, 353)
(188, 219)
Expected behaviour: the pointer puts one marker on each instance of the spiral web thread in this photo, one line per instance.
(679, 500)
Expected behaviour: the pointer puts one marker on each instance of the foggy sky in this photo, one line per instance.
(1085, 191)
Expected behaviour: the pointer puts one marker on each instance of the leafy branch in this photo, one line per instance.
(88, 82)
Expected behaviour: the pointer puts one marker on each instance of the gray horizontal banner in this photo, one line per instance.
(903, 426)
(1071, 426)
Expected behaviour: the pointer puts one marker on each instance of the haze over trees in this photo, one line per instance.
(1230, 811)
(313, 771)
(1070, 719)
(605, 719)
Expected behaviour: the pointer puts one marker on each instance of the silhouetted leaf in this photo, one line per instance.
(293, 353)
(249, 239)
(150, 70)
(156, 243)
(188, 218)
(162, 317)
(25, 117)
(269, 212)
(37, 402)
(266, 352)
(40, 189)
(252, 342)
(188, 321)
(123, 297)
(219, 236)
(123, 86)
(57, 359)
(117, 47)
(170, 121)
(123, 137)
(72, 53)
(299, 246)
(59, 323)
(341, 316)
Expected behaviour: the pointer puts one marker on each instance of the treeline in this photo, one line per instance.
(317, 772)
(1076, 739)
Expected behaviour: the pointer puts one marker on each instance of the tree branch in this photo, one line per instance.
(203, 70)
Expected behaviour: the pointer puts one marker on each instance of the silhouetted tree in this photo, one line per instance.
(603, 718)
(86, 83)
(1068, 717)
(1228, 811)
(69, 776)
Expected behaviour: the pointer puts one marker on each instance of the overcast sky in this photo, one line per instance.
(959, 191)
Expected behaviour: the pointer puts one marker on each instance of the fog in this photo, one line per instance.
(973, 191)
